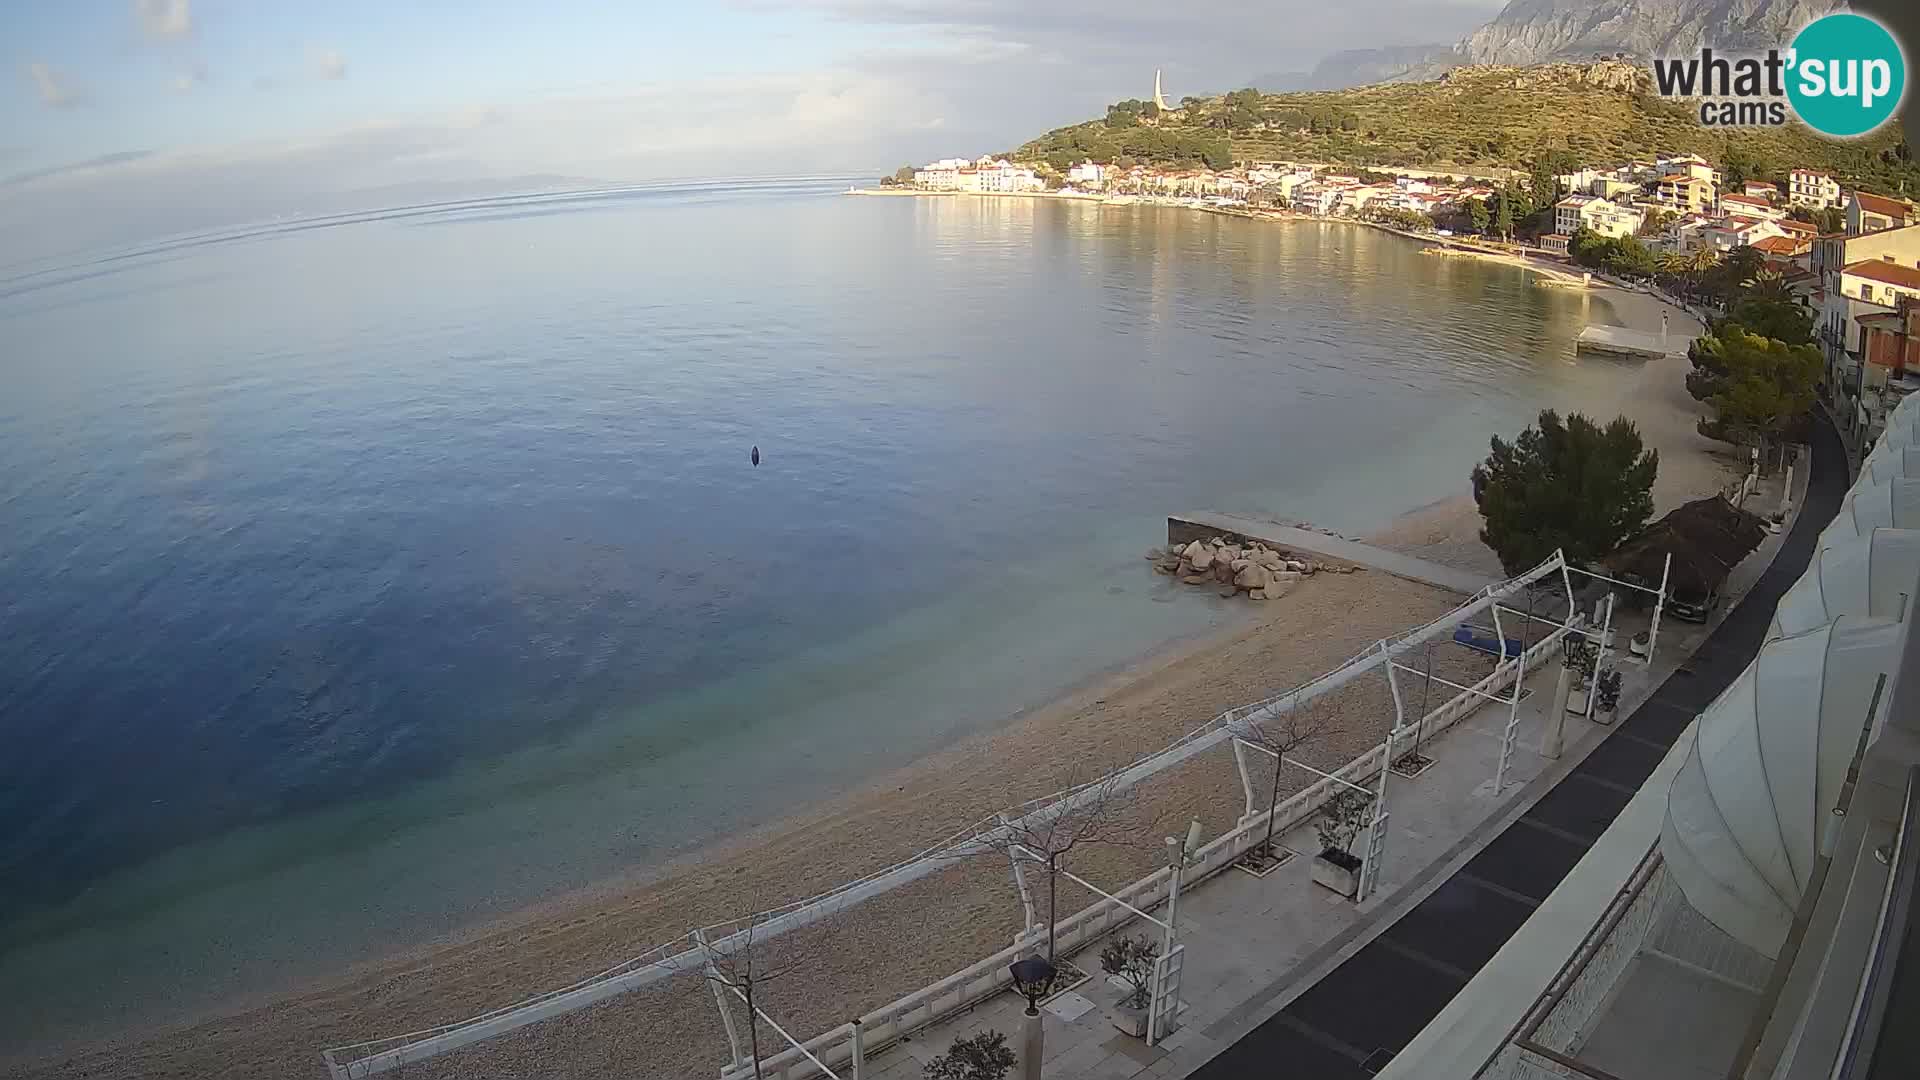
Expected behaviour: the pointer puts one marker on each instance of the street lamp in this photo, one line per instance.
(1033, 978)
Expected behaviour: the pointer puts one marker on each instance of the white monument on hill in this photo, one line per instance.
(1158, 101)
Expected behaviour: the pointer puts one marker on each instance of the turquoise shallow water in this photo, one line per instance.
(369, 577)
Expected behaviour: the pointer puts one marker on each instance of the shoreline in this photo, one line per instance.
(1176, 686)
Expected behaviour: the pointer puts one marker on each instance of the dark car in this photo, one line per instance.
(1694, 607)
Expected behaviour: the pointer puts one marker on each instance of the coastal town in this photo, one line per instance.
(1849, 257)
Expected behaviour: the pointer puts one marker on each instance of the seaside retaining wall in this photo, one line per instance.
(930, 1004)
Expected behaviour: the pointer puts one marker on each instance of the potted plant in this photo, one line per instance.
(1338, 826)
(1131, 960)
(1606, 696)
(985, 1056)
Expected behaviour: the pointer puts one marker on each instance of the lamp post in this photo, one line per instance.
(1033, 978)
(1573, 654)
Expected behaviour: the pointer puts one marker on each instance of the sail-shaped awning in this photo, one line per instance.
(1874, 574)
(1748, 811)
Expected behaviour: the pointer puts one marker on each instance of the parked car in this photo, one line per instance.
(1694, 608)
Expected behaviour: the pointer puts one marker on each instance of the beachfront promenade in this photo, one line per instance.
(1284, 978)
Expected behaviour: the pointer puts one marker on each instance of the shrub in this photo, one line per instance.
(985, 1056)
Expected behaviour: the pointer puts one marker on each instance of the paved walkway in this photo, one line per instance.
(1293, 538)
(1349, 1024)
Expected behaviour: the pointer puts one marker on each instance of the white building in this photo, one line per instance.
(1004, 177)
(1576, 212)
(1809, 187)
(1088, 175)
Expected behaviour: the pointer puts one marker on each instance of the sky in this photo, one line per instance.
(153, 117)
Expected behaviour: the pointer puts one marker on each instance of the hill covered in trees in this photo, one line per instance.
(1480, 119)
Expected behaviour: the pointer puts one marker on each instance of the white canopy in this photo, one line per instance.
(1894, 504)
(1877, 574)
(1889, 463)
(1747, 812)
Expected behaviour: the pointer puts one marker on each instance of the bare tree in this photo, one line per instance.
(747, 958)
(1284, 731)
(1100, 812)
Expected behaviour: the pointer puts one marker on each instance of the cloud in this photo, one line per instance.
(56, 90)
(104, 161)
(164, 18)
(328, 64)
(841, 120)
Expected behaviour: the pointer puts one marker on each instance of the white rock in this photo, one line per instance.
(1257, 594)
(1296, 566)
(1251, 576)
(1240, 564)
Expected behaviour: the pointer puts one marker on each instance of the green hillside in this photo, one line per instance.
(1475, 119)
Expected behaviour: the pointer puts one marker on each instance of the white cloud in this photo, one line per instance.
(164, 18)
(327, 63)
(813, 122)
(56, 90)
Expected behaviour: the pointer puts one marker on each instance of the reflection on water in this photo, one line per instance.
(372, 576)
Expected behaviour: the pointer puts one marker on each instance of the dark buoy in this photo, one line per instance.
(755, 457)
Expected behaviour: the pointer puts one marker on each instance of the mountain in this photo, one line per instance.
(1539, 31)
(1354, 67)
(1528, 32)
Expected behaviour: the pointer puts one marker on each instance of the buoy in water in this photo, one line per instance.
(755, 457)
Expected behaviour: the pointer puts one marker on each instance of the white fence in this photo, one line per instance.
(924, 1006)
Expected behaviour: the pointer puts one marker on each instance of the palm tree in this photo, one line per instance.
(1766, 285)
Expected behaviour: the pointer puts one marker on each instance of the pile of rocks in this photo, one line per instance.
(1263, 573)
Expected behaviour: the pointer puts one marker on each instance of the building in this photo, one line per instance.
(1880, 281)
(1780, 252)
(1725, 234)
(1809, 187)
(1867, 212)
(942, 175)
(1691, 165)
(1005, 178)
(1576, 212)
(1892, 352)
(1848, 291)
(1685, 192)
(1760, 189)
(1088, 175)
(1750, 206)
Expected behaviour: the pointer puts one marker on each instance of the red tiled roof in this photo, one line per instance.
(1883, 271)
(1777, 245)
(1799, 226)
(1746, 200)
(1880, 204)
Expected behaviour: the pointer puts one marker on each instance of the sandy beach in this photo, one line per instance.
(1653, 395)
(888, 946)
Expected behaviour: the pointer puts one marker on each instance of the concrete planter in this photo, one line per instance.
(1342, 876)
(1130, 1021)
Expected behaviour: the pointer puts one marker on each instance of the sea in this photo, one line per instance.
(367, 577)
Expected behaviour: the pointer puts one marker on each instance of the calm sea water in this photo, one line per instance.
(366, 577)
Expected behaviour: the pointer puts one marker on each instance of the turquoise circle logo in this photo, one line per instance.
(1848, 75)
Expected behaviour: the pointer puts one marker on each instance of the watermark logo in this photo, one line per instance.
(1843, 75)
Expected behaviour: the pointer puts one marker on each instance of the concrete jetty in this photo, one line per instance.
(1186, 528)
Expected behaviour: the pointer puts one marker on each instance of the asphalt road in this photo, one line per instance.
(1351, 1023)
